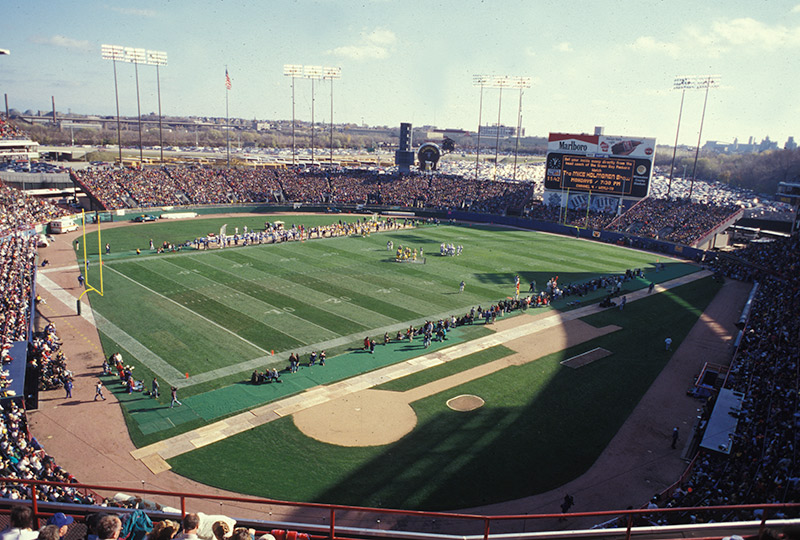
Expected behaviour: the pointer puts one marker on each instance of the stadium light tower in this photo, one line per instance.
(158, 58)
(501, 82)
(707, 83)
(293, 70)
(314, 73)
(114, 53)
(137, 56)
(480, 81)
(682, 84)
(331, 73)
(521, 83)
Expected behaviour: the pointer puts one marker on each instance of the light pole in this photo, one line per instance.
(293, 70)
(137, 56)
(331, 73)
(500, 82)
(521, 83)
(682, 84)
(481, 81)
(158, 58)
(114, 53)
(314, 73)
(709, 81)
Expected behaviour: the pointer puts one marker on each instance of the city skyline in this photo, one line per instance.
(590, 65)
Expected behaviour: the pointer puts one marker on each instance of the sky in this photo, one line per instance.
(609, 64)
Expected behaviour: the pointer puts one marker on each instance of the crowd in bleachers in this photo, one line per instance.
(197, 185)
(18, 212)
(763, 464)
(21, 456)
(17, 261)
(673, 220)
(9, 131)
(49, 359)
(676, 220)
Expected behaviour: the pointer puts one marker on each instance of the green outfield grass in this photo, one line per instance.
(542, 426)
(203, 320)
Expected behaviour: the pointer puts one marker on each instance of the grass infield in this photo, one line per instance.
(214, 315)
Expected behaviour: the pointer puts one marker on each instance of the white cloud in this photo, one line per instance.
(372, 45)
(650, 44)
(381, 36)
(796, 9)
(133, 11)
(751, 33)
(64, 42)
(723, 36)
(564, 46)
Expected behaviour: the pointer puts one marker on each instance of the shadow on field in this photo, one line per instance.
(542, 425)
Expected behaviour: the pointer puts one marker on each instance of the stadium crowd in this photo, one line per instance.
(9, 131)
(674, 220)
(17, 261)
(677, 220)
(18, 212)
(21, 456)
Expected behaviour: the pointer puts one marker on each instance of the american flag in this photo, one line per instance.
(227, 80)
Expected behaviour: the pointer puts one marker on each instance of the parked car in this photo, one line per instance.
(145, 217)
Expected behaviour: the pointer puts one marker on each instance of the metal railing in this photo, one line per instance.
(485, 526)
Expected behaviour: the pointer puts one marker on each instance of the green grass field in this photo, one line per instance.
(217, 315)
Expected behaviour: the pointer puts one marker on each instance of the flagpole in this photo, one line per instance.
(227, 118)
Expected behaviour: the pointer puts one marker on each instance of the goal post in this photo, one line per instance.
(91, 284)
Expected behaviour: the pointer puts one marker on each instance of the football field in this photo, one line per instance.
(204, 320)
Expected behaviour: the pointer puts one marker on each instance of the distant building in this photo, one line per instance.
(505, 131)
(739, 148)
(790, 144)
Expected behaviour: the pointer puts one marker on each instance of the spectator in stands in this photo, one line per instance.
(241, 533)
(221, 530)
(191, 525)
(108, 528)
(163, 530)
(62, 521)
(21, 525)
(49, 532)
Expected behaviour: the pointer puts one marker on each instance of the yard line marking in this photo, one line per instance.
(190, 311)
(307, 290)
(154, 362)
(217, 285)
(144, 355)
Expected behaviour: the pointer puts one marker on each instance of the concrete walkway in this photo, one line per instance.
(155, 455)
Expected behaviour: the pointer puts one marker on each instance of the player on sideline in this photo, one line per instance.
(461, 287)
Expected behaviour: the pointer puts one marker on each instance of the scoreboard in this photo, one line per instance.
(606, 175)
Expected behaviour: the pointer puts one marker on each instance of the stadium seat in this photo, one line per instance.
(279, 534)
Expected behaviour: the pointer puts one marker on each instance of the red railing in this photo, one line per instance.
(487, 522)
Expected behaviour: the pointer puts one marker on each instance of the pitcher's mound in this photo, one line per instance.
(466, 402)
(366, 418)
